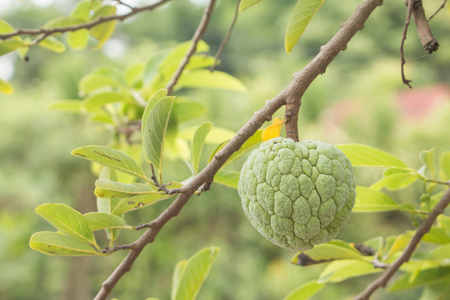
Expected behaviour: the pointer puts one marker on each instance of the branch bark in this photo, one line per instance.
(429, 42)
(45, 32)
(319, 64)
(291, 94)
(405, 257)
(194, 42)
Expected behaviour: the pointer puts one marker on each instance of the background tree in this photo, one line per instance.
(383, 130)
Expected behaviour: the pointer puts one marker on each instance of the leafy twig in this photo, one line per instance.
(405, 257)
(297, 87)
(191, 51)
(87, 25)
(227, 37)
(402, 43)
(437, 11)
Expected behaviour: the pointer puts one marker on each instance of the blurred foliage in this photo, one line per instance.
(356, 100)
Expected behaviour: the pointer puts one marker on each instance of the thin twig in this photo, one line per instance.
(125, 4)
(436, 12)
(405, 257)
(402, 43)
(227, 37)
(298, 86)
(201, 29)
(118, 247)
(163, 187)
(87, 25)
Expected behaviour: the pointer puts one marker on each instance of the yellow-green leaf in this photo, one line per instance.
(53, 44)
(366, 156)
(247, 3)
(6, 87)
(66, 219)
(103, 31)
(368, 200)
(302, 14)
(53, 243)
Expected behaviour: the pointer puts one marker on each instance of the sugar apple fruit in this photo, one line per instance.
(297, 194)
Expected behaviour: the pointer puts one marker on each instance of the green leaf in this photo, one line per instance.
(438, 290)
(75, 106)
(365, 156)
(196, 62)
(107, 205)
(5, 27)
(216, 135)
(441, 252)
(82, 10)
(78, 40)
(427, 157)
(103, 98)
(247, 3)
(105, 188)
(176, 54)
(100, 221)
(255, 139)
(368, 200)
(437, 236)
(134, 74)
(400, 243)
(444, 165)
(6, 87)
(10, 45)
(197, 143)
(53, 44)
(111, 158)
(211, 80)
(185, 109)
(62, 21)
(66, 219)
(103, 32)
(217, 149)
(95, 81)
(395, 181)
(189, 275)
(341, 270)
(322, 253)
(140, 201)
(306, 290)
(423, 277)
(227, 178)
(302, 14)
(53, 243)
(154, 128)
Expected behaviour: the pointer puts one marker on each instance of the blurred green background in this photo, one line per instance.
(360, 99)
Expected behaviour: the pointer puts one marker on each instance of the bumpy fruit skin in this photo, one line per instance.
(297, 194)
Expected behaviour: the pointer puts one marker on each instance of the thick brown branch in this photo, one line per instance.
(319, 64)
(423, 229)
(429, 43)
(195, 39)
(295, 89)
(49, 31)
(402, 43)
(227, 36)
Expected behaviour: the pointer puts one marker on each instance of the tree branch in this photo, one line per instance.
(429, 42)
(402, 43)
(87, 25)
(195, 39)
(405, 257)
(319, 64)
(293, 91)
(227, 36)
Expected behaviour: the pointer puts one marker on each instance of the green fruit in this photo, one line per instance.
(299, 194)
